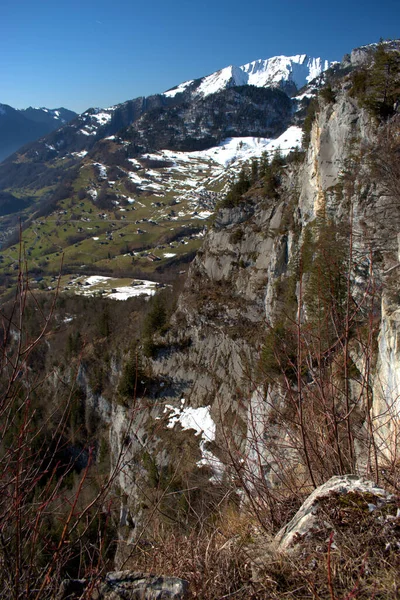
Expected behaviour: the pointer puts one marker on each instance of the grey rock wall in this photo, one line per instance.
(211, 353)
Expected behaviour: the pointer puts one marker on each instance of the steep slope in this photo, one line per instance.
(237, 112)
(216, 410)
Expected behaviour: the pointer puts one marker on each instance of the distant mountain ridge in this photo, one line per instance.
(20, 126)
(61, 115)
(175, 119)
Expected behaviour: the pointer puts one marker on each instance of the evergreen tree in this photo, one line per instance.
(385, 80)
(237, 190)
(378, 88)
(157, 316)
(133, 380)
(254, 170)
(264, 163)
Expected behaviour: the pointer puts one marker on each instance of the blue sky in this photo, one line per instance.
(87, 53)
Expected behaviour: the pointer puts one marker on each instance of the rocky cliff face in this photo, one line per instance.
(282, 355)
(336, 181)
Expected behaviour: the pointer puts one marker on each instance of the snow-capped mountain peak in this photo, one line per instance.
(278, 71)
(299, 69)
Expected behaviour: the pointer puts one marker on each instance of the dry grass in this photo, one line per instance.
(352, 553)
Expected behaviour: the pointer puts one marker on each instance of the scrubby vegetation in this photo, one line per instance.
(357, 558)
(266, 173)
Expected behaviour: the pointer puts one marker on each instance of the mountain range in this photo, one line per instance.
(18, 127)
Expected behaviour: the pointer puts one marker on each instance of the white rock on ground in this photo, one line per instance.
(306, 517)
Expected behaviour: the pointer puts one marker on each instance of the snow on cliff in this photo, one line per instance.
(300, 69)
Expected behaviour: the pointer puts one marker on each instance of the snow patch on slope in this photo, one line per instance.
(201, 421)
(246, 148)
(95, 118)
(194, 177)
(144, 288)
(178, 89)
(99, 284)
(102, 118)
(102, 170)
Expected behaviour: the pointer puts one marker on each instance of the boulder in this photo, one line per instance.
(307, 519)
(126, 585)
